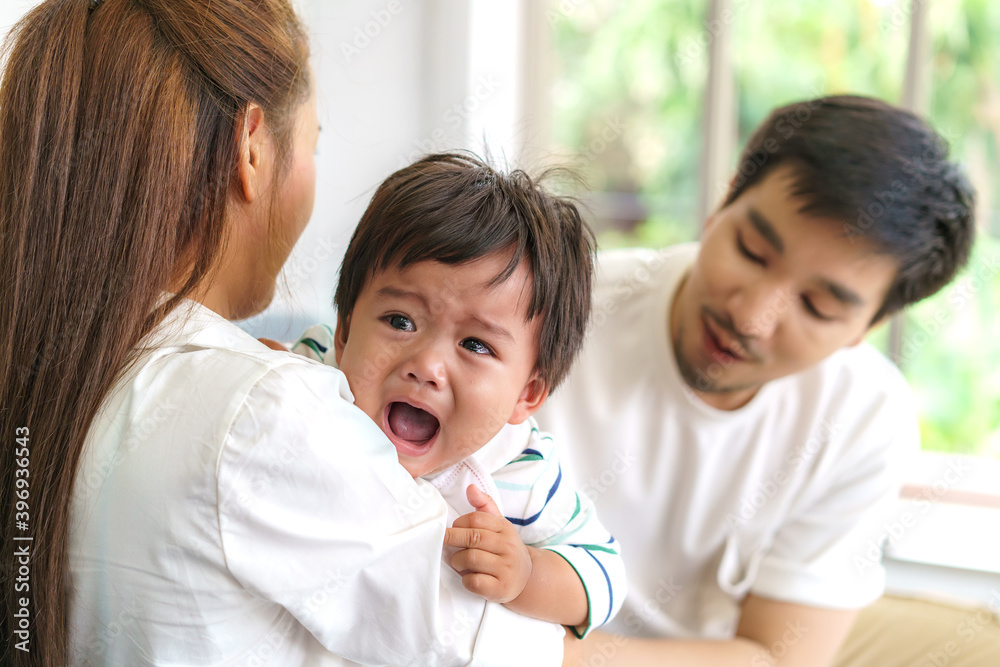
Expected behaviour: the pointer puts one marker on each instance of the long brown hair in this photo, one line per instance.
(118, 145)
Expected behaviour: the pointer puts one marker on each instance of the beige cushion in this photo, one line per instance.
(900, 632)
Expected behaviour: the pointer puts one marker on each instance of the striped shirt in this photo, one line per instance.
(519, 468)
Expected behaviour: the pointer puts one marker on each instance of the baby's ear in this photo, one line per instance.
(531, 399)
(340, 335)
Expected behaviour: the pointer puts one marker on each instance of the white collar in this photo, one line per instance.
(191, 324)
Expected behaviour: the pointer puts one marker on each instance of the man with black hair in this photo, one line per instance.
(734, 430)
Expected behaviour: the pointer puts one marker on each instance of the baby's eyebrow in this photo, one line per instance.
(494, 329)
(395, 292)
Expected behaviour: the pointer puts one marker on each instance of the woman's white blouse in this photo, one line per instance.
(233, 507)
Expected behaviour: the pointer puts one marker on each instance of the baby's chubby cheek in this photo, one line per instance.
(364, 396)
(370, 408)
(464, 443)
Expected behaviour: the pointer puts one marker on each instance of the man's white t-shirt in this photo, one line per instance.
(783, 498)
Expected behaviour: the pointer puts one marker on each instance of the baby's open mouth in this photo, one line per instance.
(411, 424)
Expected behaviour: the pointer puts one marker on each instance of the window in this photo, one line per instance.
(951, 352)
(632, 114)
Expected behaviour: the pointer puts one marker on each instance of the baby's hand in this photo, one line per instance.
(274, 345)
(493, 561)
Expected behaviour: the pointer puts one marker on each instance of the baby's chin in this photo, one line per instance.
(422, 469)
(415, 469)
(429, 464)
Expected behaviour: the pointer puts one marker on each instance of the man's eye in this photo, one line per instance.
(475, 345)
(812, 310)
(400, 322)
(757, 259)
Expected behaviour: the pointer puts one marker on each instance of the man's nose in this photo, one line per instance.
(758, 308)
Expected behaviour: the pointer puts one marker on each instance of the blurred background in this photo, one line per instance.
(651, 101)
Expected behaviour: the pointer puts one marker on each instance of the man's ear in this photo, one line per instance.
(871, 327)
(857, 341)
(340, 335)
(531, 399)
(253, 138)
(710, 220)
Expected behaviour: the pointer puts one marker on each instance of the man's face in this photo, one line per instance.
(772, 292)
(441, 359)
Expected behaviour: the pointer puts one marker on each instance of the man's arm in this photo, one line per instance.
(795, 634)
(770, 633)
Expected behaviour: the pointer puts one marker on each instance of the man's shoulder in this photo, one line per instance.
(861, 364)
(857, 383)
(635, 280)
(638, 264)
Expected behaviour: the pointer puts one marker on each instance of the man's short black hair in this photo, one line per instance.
(883, 173)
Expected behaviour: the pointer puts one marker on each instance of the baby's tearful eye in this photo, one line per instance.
(400, 322)
(477, 346)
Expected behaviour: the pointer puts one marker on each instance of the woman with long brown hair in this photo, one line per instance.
(174, 492)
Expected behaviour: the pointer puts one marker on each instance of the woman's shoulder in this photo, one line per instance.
(201, 382)
(283, 385)
(195, 346)
(283, 379)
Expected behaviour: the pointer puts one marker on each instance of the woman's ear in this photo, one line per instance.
(340, 335)
(531, 399)
(253, 140)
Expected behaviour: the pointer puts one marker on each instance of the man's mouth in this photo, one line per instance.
(412, 428)
(718, 346)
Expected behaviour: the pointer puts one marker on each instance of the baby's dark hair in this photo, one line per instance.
(455, 208)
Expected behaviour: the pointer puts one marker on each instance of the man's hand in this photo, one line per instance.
(573, 652)
(493, 561)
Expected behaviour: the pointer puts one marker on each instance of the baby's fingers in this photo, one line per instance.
(477, 560)
(484, 585)
(481, 501)
(274, 345)
(474, 538)
(482, 521)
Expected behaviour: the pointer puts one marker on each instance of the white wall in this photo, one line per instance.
(11, 10)
(397, 79)
(367, 59)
